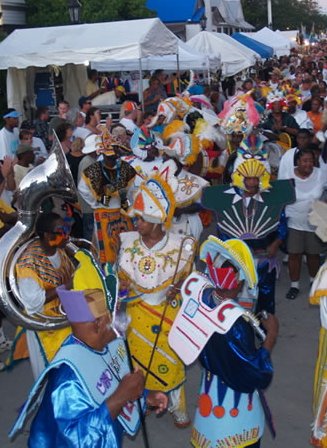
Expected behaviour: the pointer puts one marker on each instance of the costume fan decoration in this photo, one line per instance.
(239, 115)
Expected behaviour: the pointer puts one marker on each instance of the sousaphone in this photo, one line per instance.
(51, 178)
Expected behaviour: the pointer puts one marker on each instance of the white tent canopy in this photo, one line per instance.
(250, 54)
(233, 61)
(291, 35)
(76, 44)
(188, 59)
(279, 43)
(72, 46)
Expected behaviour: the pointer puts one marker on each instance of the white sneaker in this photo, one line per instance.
(181, 419)
(5, 345)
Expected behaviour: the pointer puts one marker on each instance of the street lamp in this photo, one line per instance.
(203, 22)
(74, 8)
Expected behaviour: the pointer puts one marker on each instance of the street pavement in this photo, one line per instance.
(289, 396)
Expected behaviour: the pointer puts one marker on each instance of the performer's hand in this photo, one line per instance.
(157, 400)
(271, 325)
(7, 166)
(132, 385)
(178, 212)
(130, 389)
(272, 249)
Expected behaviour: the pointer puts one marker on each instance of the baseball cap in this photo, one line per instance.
(129, 106)
(22, 149)
(121, 89)
(11, 113)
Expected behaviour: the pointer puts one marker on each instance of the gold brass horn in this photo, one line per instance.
(51, 178)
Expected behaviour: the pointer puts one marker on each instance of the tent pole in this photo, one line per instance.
(209, 75)
(141, 97)
(178, 72)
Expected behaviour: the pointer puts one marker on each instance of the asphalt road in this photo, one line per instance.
(289, 396)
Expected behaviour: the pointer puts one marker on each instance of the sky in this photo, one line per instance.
(323, 4)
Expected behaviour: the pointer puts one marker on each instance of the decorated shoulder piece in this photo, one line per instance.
(196, 320)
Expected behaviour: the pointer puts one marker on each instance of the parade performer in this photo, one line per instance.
(252, 209)
(152, 264)
(104, 187)
(41, 268)
(237, 120)
(213, 326)
(87, 395)
(145, 159)
(318, 296)
(184, 149)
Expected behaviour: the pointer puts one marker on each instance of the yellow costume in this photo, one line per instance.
(150, 272)
(318, 296)
(35, 265)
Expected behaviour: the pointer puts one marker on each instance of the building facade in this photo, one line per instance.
(183, 17)
(12, 15)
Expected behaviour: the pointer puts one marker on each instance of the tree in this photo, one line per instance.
(50, 12)
(287, 14)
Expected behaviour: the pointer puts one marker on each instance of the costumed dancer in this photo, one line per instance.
(42, 267)
(184, 149)
(212, 326)
(237, 120)
(104, 186)
(318, 296)
(152, 264)
(252, 209)
(145, 159)
(87, 395)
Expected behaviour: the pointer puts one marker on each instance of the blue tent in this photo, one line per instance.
(264, 51)
(176, 11)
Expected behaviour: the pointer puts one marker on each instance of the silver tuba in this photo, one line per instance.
(51, 178)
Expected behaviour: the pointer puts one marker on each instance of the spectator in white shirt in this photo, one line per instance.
(309, 186)
(9, 134)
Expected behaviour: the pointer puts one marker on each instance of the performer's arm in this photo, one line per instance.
(129, 389)
(272, 249)
(190, 209)
(87, 194)
(79, 423)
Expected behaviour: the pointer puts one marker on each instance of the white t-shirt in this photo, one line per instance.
(8, 142)
(40, 149)
(307, 191)
(129, 124)
(286, 164)
(302, 119)
(81, 132)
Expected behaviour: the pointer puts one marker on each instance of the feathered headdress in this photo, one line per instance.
(239, 115)
(155, 199)
(251, 168)
(274, 97)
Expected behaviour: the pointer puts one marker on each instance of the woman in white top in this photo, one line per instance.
(310, 182)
